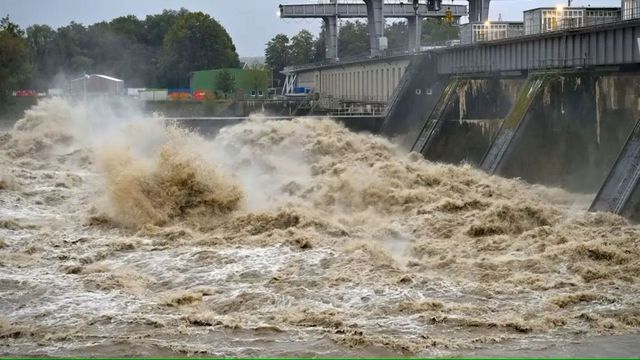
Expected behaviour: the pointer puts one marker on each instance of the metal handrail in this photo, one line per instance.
(358, 9)
(541, 64)
(364, 57)
(555, 63)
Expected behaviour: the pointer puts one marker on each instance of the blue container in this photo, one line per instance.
(179, 90)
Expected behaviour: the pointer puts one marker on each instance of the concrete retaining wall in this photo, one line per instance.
(413, 101)
(470, 119)
(573, 130)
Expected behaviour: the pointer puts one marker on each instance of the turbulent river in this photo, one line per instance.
(122, 235)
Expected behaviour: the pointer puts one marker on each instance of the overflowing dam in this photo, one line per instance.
(457, 200)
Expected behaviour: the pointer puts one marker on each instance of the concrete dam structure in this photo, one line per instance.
(572, 127)
(559, 109)
(469, 108)
(560, 128)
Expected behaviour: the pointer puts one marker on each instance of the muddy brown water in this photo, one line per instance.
(121, 236)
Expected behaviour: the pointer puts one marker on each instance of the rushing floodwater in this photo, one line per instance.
(120, 236)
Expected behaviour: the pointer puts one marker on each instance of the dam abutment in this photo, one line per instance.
(473, 109)
(563, 128)
(574, 125)
(414, 99)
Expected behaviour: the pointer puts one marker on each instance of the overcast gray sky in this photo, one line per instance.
(251, 23)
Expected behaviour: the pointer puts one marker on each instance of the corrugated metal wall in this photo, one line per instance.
(606, 45)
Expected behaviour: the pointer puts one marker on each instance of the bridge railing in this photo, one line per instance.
(345, 60)
(601, 44)
(359, 109)
(369, 99)
(556, 63)
(389, 53)
(541, 64)
(363, 98)
(473, 69)
(361, 105)
(358, 9)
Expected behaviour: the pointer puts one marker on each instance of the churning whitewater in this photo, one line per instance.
(121, 234)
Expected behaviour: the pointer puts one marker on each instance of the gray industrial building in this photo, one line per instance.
(541, 20)
(96, 85)
(630, 9)
(547, 19)
(475, 32)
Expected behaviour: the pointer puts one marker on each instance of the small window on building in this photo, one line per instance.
(260, 93)
(253, 93)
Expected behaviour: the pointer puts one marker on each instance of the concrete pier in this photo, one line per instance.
(563, 128)
(375, 11)
(473, 109)
(620, 193)
(573, 129)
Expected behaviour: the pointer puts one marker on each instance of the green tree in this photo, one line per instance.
(117, 48)
(277, 55)
(157, 26)
(196, 42)
(258, 76)
(353, 39)
(225, 82)
(158, 51)
(302, 48)
(72, 47)
(11, 28)
(320, 45)
(40, 40)
(398, 35)
(438, 30)
(128, 26)
(14, 58)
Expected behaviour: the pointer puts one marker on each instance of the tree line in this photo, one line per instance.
(157, 51)
(161, 50)
(353, 40)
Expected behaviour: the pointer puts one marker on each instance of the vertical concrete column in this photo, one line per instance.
(415, 33)
(473, 11)
(485, 10)
(375, 16)
(331, 41)
(478, 10)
